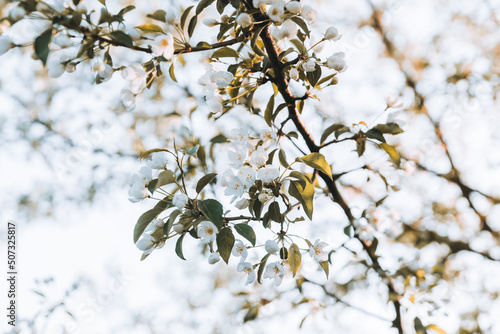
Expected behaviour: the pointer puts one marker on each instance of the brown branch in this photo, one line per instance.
(420, 100)
(281, 82)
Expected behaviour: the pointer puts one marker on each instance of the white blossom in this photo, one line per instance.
(393, 101)
(178, 228)
(207, 231)
(275, 271)
(62, 40)
(272, 247)
(240, 135)
(170, 18)
(276, 12)
(17, 13)
(157, 160)
(137, 193)
(260, 3)
(259, 156)
(337, 62)
(127, 98)
(240, 250)
(309, 14)
(242, 204)
(214, 258)
(294, 74)
(180, 200)
(287, 30)
(309, 65)
(237, 158)
(244, 20)
(293, 7)
(247, 176)
(158, 223)
(103, 70)
(247, 268)
(55, 68)
(222, 78)
(317, 251)
(164, 46)
(146, 242)
(332, 34)
(210, 22)
(136, 74)
(268, 174)
(268, 135)
(5, 44)
(264, 197)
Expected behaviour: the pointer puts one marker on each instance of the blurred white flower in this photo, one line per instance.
(222, 78)
(247, 268)
(237, 158)
(157, 160)
(259, 156)
(332, 34)
(244, 20)
(5, 44)
(180, 200)
(264, 197)
(309, 65)
(137, 193)
(276, 12)
(170, 18)
(294, 74)
(268, 174)
(242, 204)
(247, 176)
(240, 135)
(136, 74)
(178, 228)
(260, 3)
(293, 7)
(164, 46)
(214, 258)
(393, 101)
(127, 98)
(145, 243)
(234, 187)
(272, 247)
(275, 271)
(317, 251)
(337, 62)
(207, 231)
(62, 40)
(17, 13)
(240, 250)
(55, 68)
(287, 30)
(268, 135)
(309, 14)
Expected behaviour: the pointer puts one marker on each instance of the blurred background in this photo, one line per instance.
(69, 146)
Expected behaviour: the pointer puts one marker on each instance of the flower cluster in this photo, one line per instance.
(139, 180)
(248, 164)
(212, 81)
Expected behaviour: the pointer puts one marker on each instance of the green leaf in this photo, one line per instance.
(317, 161)
(103, 2)
(252, 313)
(391, 128)
(184, 16)
(170, 221)
(192, 151)
(192, 25)
(152, 185)
(122, 37)
(283, 253)
(221, 5)
(165, 177)
(262, 266)
(375, 134)
(213, 210)
(314, 76)
(274, 212)
(202, 5)
(326, 267)
(393, 153)
(294, 258)
(225, 243)
(282, 158)
(304, 194)
(300, 22)
(148, 216)
(178, 247)
(268, 114)
(158, 15)
(360, 145)
(304, 180)
(225, 52)
(150, 28)
(171, 72)
(149, 152)
(419, 327)
(42, 44)
(247, 232)
(298, 44)
(331, 129)
(206, 179)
